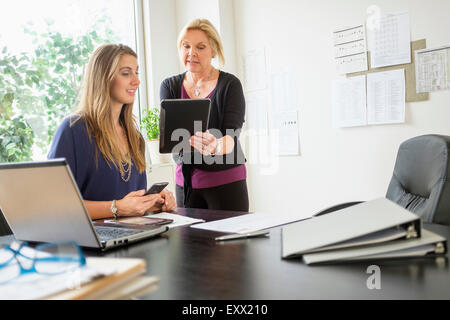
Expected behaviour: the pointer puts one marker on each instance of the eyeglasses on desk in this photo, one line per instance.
(18, 259)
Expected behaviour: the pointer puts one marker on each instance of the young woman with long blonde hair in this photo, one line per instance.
(102, 143)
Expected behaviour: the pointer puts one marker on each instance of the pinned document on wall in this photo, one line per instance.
(389, 40)
(350, 50)
(386, 97)
(283, 89)
(432, 69)
(285, 126)
(255, 73)
(257, 114)
(349, 102)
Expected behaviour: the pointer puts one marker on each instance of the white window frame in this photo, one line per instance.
(142, 45)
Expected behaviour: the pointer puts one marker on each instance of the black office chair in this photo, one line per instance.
(421, 181)
(4, 227)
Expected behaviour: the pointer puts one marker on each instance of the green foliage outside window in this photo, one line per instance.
(39, 89)
(150, 123)
(16, 139)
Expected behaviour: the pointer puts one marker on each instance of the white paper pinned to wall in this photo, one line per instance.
(432, 69)
(349, 102)
(389, 40)
(283, 89)
(386, 97)
(257, 111)
(255, 70)
(350, 50)
(285, 126)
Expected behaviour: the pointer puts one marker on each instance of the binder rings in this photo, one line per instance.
(368, 223)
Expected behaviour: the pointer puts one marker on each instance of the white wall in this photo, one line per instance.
(165, 19)
(335, 165)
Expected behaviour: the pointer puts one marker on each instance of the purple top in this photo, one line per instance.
(208, 179)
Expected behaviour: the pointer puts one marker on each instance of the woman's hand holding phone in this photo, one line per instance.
(136, 203)
(170, 204)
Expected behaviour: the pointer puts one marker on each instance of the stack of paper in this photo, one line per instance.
(126, 282)
(100, 278)
(371, 230)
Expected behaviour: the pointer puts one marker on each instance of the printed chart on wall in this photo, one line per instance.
(349, 102)
(350, 51)
(389, 40)
(386, 97)
(432, 69)
(284, 112)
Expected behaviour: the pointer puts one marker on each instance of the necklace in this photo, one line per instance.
(197, 86)
(126, 170)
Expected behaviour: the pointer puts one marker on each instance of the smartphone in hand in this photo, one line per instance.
(156, 188)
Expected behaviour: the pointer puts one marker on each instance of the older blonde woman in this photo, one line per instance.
(102, 143)
(218, 183)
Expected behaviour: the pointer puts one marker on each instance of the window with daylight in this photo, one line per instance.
(44, 46)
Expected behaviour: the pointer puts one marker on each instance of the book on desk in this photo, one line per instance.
(99, 278)
(126, 282)
(371, 230)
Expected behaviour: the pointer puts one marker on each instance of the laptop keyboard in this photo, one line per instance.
(108, 233)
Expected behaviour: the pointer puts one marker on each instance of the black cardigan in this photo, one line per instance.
(227, 112)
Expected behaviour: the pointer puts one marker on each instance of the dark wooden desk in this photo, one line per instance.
(192, 265)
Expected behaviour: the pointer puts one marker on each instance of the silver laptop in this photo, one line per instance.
(41, 203)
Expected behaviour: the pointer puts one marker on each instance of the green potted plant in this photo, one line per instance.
(150, 124)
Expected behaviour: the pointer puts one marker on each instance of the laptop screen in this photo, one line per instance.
(41, 203)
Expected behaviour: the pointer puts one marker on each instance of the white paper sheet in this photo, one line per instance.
(349, 102)
(386, 97)
(255, 70)
(389, 39)
(285, 126)
(432, 69)
(283, 89)
(350, 50)
(178, 220)
(251, 222)
(257, 119)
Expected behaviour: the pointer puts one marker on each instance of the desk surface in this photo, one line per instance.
(192, 265)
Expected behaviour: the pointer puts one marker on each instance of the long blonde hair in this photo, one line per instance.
(93, 106)
(211, 32)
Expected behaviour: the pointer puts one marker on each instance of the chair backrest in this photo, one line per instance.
(421, 181)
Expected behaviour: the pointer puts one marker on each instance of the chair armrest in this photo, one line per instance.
(337, 207)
